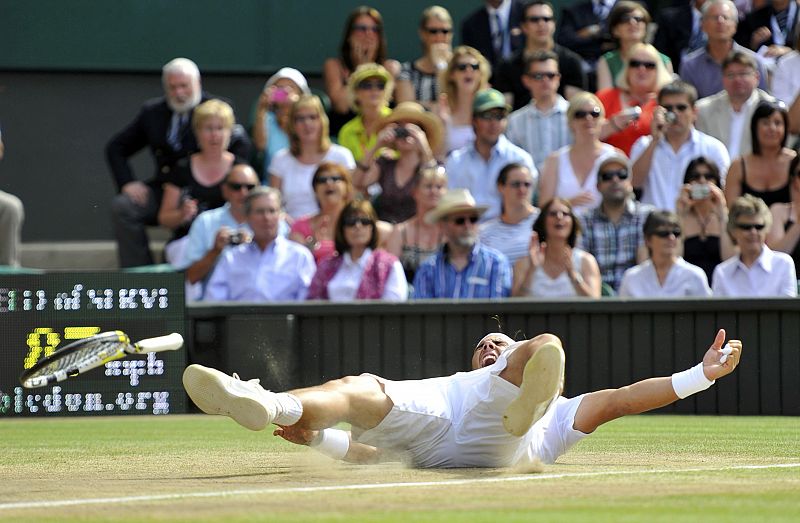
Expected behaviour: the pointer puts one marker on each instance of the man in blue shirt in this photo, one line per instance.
(268, 269)
(462, 268)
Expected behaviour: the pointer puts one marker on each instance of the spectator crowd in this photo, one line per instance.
(596, 151)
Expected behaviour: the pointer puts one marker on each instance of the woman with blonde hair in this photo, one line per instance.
(467, 73)
(369, 90)
(629, 106)
(292, 169)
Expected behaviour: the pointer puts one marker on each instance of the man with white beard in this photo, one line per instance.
(164, 126)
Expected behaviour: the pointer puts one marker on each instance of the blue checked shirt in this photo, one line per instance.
(487, 275)
(614, 245)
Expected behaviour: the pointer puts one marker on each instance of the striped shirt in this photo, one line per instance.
(614, 245)
(512, 239)
(540, 133)
(487, 275)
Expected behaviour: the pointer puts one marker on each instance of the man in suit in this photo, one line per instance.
(164, 126)
(494, 29)
(583, 29)
(774, 27)
(680, 31)
(726, 115)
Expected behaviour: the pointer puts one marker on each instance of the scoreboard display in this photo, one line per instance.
(40, 313)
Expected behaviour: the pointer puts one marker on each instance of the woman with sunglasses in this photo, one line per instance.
(703, 214)
(467, 73)
(571, 172)
(359, 270)
(416, 240)
(665, 274)
(784, 235)
(333, 189)
(418, 80)
(554, 267)
(292, 169)
(629, 106)
(363, 42)
(764, 172)
(196, 184)
(370, 89)
(627, 24)
(510, 232)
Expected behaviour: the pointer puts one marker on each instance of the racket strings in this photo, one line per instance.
(75, 358)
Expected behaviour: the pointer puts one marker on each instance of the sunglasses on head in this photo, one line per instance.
(537, 19)
(607, 176)
(665, 233)
(461, 220)
(677, 108)
(516, 184)
(750, 226)
(541, 76)
(321, 180)
(581, 114)
(239, 186)
(635, 64)
(464, 67)
(352, 221)
(361, 28)
(438, 31)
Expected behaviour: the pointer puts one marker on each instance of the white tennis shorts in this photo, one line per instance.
(457, 421)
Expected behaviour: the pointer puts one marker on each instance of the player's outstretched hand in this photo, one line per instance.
(720, 360)
(294, 434)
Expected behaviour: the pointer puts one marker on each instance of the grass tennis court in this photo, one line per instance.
(202, 468)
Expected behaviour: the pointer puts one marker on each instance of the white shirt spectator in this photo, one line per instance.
(772, 275)
(510, 239)
(540, 133)
(665, 178)
(344, 285)
(683, 279)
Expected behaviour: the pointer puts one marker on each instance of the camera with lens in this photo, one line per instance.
(699, 191)
(236, 238)
(670, 117)
(401, 132)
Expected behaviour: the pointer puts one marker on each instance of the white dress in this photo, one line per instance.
(567, 185)
(543, 286)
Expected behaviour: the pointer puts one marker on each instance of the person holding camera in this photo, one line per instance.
(407, 141)
(270, 268)
(703, 214)
(660, 159)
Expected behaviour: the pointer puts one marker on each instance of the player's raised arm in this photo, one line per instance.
(603, 406)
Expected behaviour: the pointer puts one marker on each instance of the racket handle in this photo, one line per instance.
(161, 343)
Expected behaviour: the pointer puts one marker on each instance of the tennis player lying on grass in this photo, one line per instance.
(507, 411)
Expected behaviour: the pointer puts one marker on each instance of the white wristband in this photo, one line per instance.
(333, 443)
(690, 381)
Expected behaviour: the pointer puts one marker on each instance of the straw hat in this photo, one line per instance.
(454, 201)
(415, 113)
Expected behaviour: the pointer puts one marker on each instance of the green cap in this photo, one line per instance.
(488, 99)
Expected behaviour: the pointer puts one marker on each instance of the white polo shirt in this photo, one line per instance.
(683, 279)
(772, 275)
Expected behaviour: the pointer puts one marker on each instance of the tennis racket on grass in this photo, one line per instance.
(87, 353)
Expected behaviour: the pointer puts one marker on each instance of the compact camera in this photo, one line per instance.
(400, 132)
(236, 238)
(699, 191)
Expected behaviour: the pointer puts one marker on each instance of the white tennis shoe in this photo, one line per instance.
(246, 402)
(541, 384)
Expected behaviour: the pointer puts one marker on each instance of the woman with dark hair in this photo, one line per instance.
(418, 80)
(359, 270)
(554, 267)
(333, 188)
(764, 173)
(784, 234)
(703, 215)
(627, 24)
(363, 42)
(510, 232)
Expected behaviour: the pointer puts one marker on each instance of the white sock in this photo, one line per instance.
(291, 410)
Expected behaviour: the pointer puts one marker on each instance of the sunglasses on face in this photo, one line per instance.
(491, 116)
(542, 76)
(635, 64)
(677, 108)
(518, 183)
(361, 28)
(607, 176)
(461, 220)
(581, 114)
(697, 175)
(626, 19)
(750, 226)
(537, 19)
(352, 221)
(321, 180)
(438, 31)
(377, 84)
(665, 233)
(239, 186)
(464, 67)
